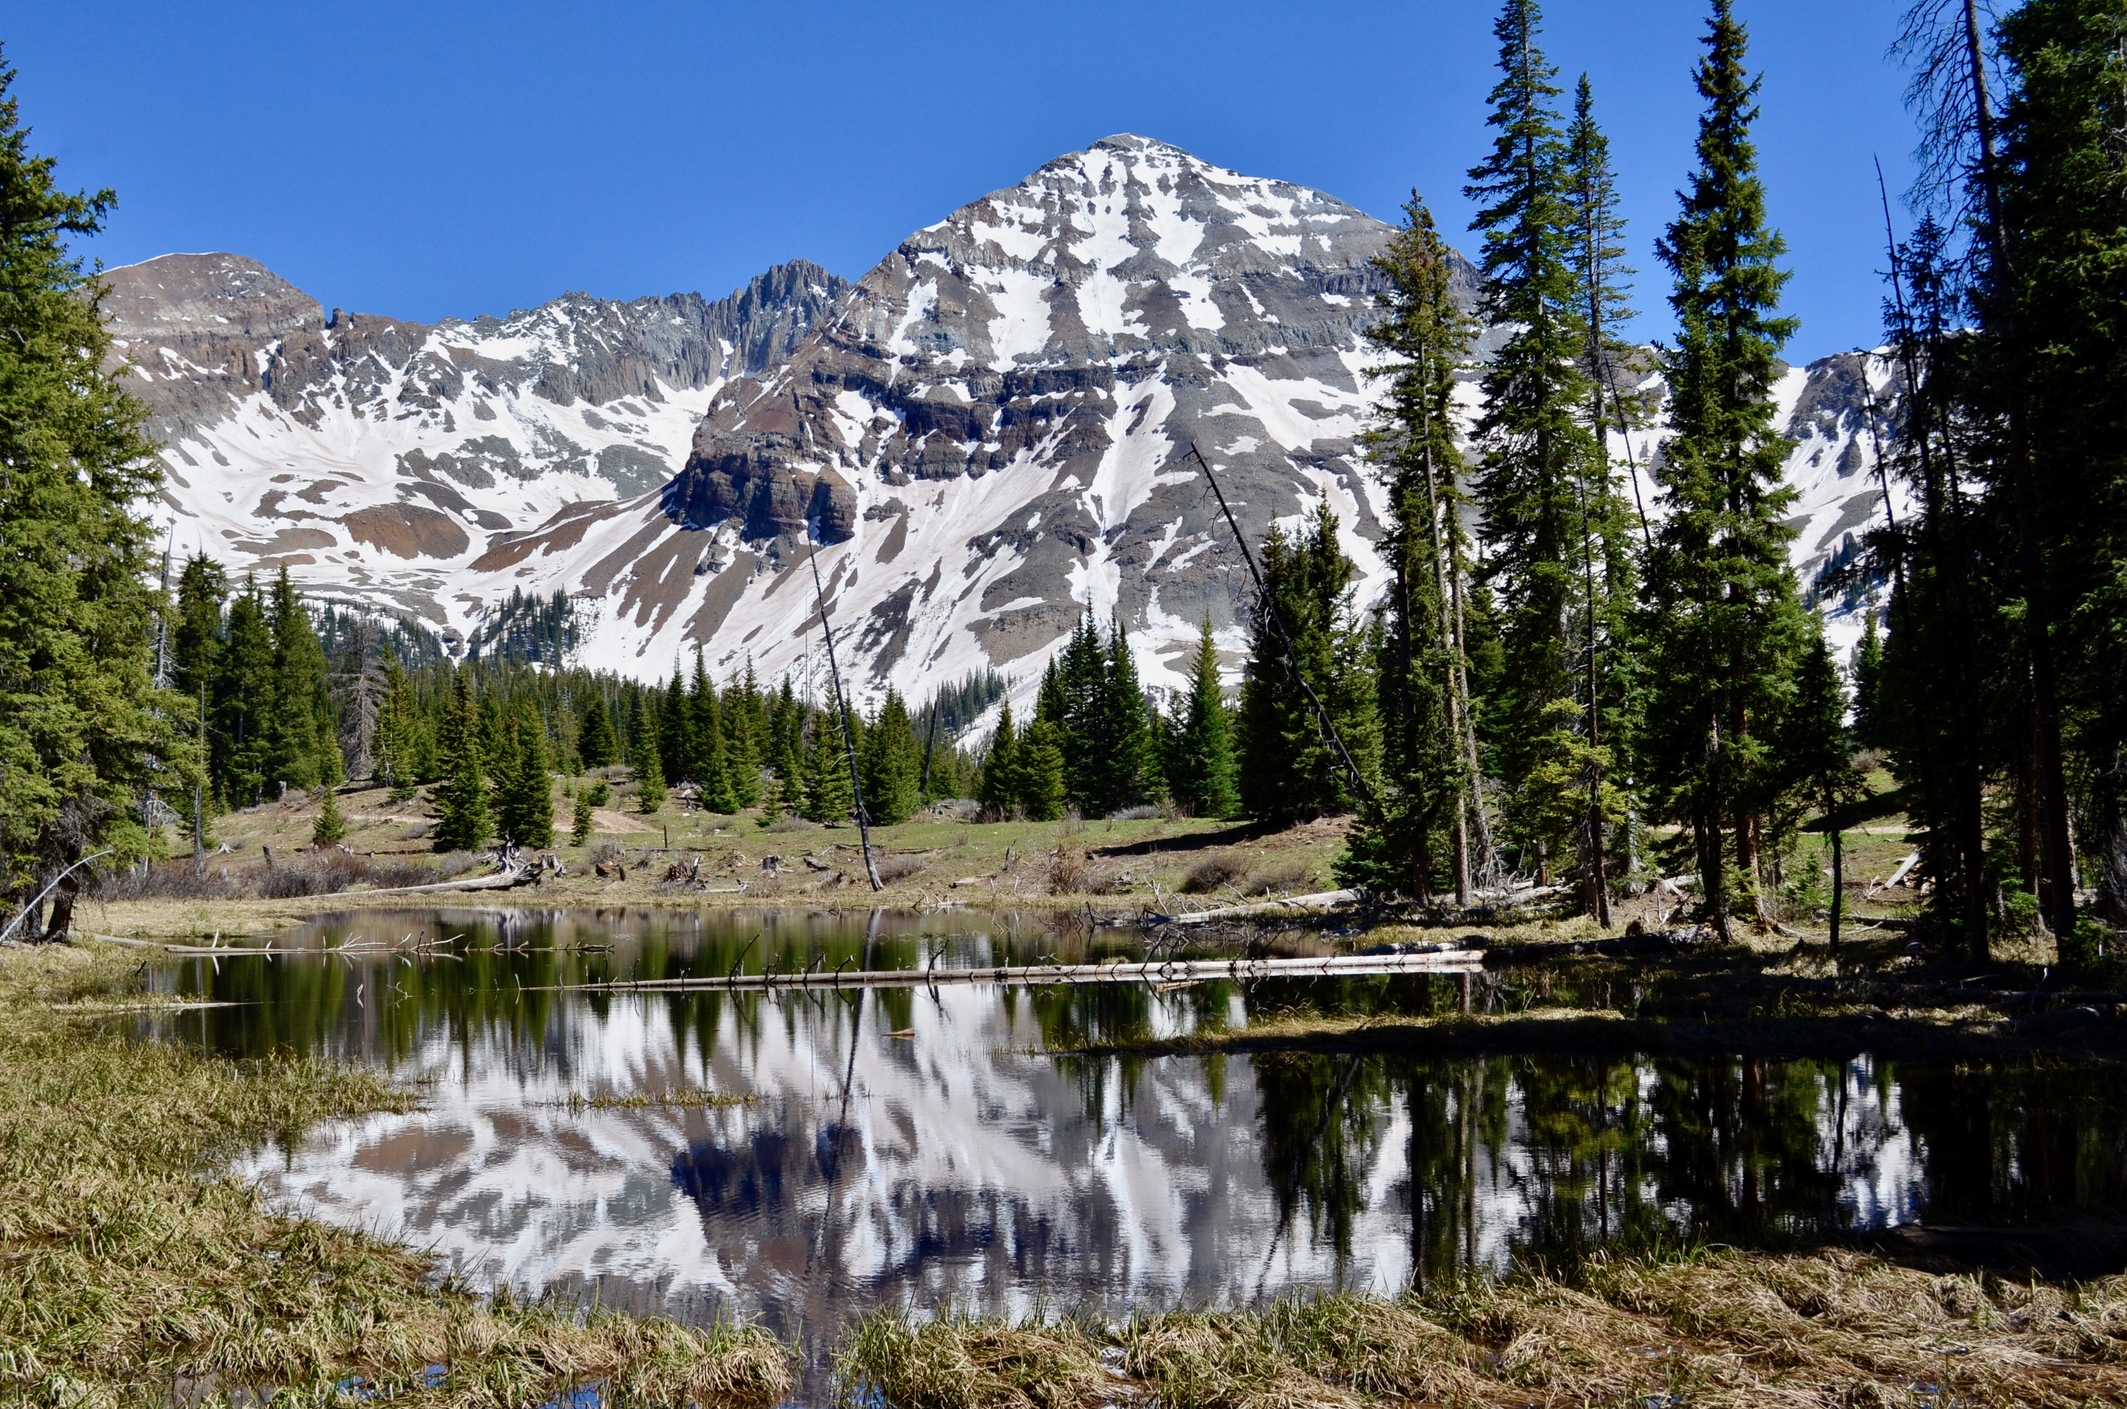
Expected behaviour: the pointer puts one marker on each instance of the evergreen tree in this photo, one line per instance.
(676, 731)
(890, 764)
(1867, 670)
(1818, 752)
(1947, 627)
(1428, 782)
(1290, 767)
(827, 791)
(1723, 617)
(647, 748)
(581, 820)
(786, 755)
(460, 798)
(330, 826)
(706, 733)
(1076, 704)
(2053, 282)
(1608, 567)
(1534, 447)
(242, 699)
(1126, 738)
(524, 811)
(196, 641)
(1043, 787)
(595, 746)
(394, 747)
(79, 715)
(302, 738)
(1200, 758)
(745, 724)
(1000, 789)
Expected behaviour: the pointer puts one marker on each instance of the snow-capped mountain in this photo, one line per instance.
(986, 436)
(976, 442)
(375, 458)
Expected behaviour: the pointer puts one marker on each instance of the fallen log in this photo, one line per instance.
(1290, 904)
(1156, 971)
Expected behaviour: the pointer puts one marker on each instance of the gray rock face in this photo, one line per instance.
(208, 329)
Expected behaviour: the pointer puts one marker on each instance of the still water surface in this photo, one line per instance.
(954, 1147)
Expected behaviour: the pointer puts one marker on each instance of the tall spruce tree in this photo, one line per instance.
(890, 764)
(827, 792)
(1533, 444)
(786, 754)
(1000, 788)
(1818, 752)
(395, 746)
(1043, 788)
(242, 700)
(79, 714)
(1948, 635)
(647, 748)
(676, 732)
(524, 804)
(1199, 764)
(1080, 676)
(1125, 739)
(1723, 618)
(1608, 576)
(1428, 781)
(2052, 287)
(744, 722)
(461, 797)
(705, 767)
(302, 737)
(1291, 766)
(595, 745)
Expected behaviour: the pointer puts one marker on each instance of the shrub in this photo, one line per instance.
(897, 868)
(1067, 871)
(1281, 878)
(1214, 872)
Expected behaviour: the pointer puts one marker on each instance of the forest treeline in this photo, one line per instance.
(1565, 680)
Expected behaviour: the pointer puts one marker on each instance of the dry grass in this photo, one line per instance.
(1067, 870)
(131, 1273)
(1713, 1329)
(951, 1363)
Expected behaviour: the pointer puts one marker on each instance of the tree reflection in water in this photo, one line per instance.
(1359, 1163)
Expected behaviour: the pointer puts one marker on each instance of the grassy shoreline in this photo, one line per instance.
(131, 1272)
(1712, 1328)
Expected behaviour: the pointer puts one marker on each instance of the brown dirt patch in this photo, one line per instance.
(407, 531)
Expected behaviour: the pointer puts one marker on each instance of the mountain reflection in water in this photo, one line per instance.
(925, 1148)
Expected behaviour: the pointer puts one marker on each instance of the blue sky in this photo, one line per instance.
(425, 160)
